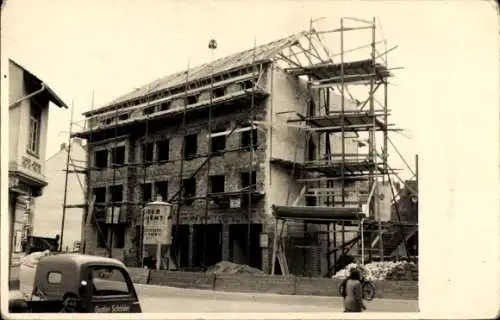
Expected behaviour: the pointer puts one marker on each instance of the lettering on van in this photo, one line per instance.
(112, 309)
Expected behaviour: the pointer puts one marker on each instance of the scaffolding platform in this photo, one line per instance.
(331, 73)
(351, 167)
(351, 121)
(316, 214)
(354, 168)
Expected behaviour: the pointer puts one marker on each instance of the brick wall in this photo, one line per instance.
(289, 285)
(193, 280)
(230, 164)
(262, 284)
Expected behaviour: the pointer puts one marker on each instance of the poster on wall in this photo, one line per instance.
(18, 241)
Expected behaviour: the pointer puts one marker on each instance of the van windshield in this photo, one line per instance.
(109, 281)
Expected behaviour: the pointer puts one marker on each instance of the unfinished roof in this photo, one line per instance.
(258, 54)
(52, 96)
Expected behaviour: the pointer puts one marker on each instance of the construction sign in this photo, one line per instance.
(157, 223)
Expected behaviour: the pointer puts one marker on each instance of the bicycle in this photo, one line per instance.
(367, 287)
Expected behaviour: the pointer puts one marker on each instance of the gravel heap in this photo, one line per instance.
(226, 267)
(387, 270)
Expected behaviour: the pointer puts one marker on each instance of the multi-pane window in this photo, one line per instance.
(34, 129)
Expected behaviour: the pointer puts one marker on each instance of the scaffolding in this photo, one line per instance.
(196, 93)
(247, 78)
(326, 202)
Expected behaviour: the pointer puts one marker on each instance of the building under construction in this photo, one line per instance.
(267, 157)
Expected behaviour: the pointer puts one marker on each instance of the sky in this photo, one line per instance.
(99, 48)
(446, 97)
(80, 47)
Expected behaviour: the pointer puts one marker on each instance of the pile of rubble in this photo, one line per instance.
(226, 267)
(387, 270)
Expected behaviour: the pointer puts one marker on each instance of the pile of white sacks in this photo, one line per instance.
(378, 270)
(27, 272)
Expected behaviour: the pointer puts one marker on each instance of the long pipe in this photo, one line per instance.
(342, 104)
(29, 96)
(181, 175)
(205, 227)
(250, 189)
(68, 158)
(88, 192)
(144, 179)
(362, 243)
(113, 159)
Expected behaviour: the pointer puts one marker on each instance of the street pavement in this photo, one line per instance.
(160, 299)
(163, 299)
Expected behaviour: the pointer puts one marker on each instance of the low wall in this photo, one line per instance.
(290, 285)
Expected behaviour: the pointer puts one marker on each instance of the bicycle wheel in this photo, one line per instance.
(368, 291)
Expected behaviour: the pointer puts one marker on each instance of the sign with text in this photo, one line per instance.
(157, 223)
(235, 203)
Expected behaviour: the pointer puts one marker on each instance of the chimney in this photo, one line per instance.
(63, 146)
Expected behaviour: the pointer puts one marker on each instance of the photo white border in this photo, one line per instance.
(445, 276)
